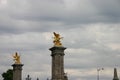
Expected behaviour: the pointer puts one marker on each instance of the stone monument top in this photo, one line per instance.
(57, 38)
(115, 75)
(16, 58)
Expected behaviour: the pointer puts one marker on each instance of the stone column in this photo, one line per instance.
(57, 54)
(17, 71)
(115, 75)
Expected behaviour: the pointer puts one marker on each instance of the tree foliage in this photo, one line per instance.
(8, 75)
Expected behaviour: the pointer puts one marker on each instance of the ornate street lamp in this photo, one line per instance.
(98, 74)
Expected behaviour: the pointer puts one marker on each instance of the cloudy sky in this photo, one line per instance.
(91, 31)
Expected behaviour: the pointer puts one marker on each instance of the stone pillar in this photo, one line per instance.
(57, 54)
(17, 71)
(115, 75)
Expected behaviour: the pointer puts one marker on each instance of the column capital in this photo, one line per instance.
(57, 50)
(17, 66)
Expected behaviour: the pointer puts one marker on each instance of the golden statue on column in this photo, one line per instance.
(16, 58)
(57, 39)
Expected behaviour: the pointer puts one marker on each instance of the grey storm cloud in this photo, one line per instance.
(35, 13)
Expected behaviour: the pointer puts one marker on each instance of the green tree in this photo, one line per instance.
(8, 75)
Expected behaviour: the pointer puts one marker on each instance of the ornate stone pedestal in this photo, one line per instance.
(17, 71)
(57, 54)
